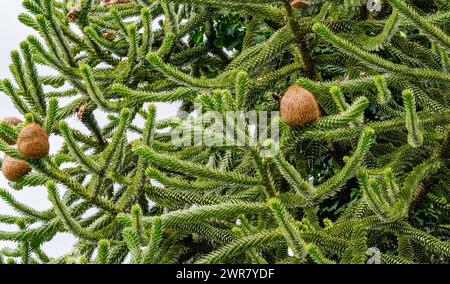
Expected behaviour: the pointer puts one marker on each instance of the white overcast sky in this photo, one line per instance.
(12, 32)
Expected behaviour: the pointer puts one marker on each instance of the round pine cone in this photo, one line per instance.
(32, 142)
(298, 106)
(13, 121)
(14, 169)
(300, 4)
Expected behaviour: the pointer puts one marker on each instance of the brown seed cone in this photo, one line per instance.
(81, 111)
(112, 2)
(300, 4)
(108, 35)
(72, 15)
(14, 169)
(13, 121)
(32, 142)
(298, 106)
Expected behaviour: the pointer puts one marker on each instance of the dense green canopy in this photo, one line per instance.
(371, 174)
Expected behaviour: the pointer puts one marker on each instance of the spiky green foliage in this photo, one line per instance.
(372, 174)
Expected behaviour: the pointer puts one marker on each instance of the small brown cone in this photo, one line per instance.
(300, 4)
(32, 142)
(14, 169)
(108, 36)
(72, 14)
(298, 106)
(112, 2)
(13, 121)
(81, 111)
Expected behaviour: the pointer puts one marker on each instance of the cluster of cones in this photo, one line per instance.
(298, 107)
(32, 142)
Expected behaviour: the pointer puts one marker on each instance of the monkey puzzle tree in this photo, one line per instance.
(364, 155)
